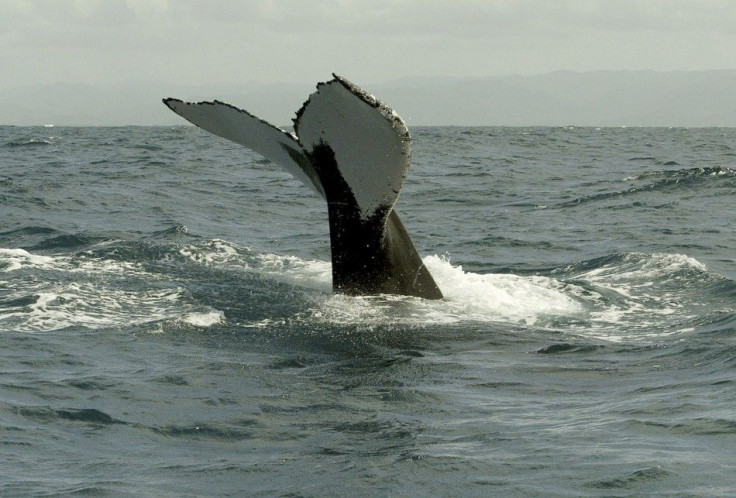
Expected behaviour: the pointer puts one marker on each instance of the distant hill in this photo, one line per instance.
(139, 103)
(605, 98)
(602, 98)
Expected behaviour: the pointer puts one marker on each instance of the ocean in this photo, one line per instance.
(168, 326)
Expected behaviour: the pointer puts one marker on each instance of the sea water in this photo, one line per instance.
(168, 326)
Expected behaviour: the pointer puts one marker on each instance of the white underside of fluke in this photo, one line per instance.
(239, 126)
(370, 142)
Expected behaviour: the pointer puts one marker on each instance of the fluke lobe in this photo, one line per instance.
(354, 151)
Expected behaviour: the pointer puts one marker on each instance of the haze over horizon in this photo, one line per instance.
(95, 61)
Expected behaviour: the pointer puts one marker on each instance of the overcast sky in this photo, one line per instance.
(206, 41)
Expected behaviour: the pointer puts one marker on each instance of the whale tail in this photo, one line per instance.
(353, 151)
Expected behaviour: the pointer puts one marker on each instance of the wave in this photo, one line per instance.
(469, 297)
(160, 285)
(662, 181)
(40, 238)
(30, 142)
(645, 297)
(55, 292)
(654, 160)
(47, 414)
(685, 175)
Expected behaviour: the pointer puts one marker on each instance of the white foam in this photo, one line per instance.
(80, 291)
(92, 306)
(312, 274)
(204, 319)
(216, 251)
(15, 259)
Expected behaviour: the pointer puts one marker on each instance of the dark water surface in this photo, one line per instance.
(168, 329)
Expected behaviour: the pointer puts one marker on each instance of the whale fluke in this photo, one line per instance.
(354, 151)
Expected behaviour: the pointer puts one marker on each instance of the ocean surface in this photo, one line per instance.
(168, 326)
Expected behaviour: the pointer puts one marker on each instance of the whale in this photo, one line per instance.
(353, 151)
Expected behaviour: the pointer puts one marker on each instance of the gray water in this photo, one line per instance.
(168, 328)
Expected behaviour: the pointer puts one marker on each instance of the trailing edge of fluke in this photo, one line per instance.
(354, 151)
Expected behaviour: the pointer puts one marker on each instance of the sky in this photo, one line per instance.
(200, 42)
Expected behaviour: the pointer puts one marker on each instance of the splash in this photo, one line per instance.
(469, 297)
